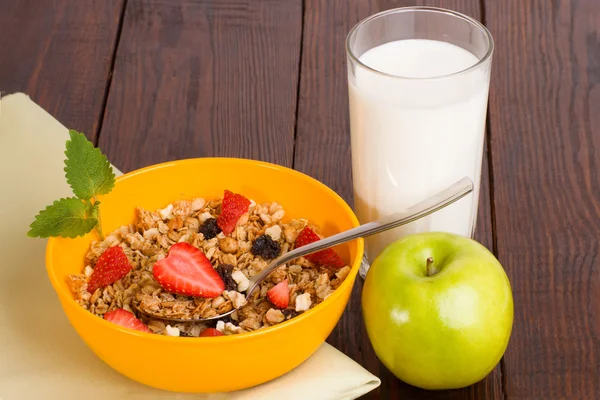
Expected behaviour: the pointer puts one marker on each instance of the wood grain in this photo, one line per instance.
(59, 53)
(545, 134)
(204, 78)
(323, 151)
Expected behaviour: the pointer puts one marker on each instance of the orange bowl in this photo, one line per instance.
(212, 364)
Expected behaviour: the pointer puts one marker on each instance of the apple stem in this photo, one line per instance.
(431, 270)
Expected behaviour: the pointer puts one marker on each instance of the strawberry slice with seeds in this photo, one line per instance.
(210, 332)
(187, 271)
(111, 266)
(126, 319)
(232, 208)
(327, 257)
(279, 294)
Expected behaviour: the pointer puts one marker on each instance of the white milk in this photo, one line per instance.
(413, 137)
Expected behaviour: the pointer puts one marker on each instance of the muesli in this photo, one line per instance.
(193, 259)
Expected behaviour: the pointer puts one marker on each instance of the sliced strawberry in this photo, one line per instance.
(126, 319)
(279, 294)
(210, 332)
(232, 208)
(187, 271)
(327, 257)
(112, 265)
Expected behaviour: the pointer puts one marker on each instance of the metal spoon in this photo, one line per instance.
(434, 203)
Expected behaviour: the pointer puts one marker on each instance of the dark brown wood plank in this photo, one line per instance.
(204, 78)
(545, 135)
(483, 230)
(323, 151)
(59, 53)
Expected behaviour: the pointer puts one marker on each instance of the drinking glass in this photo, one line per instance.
(418, 80)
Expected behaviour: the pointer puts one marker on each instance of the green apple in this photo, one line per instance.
(438, 310)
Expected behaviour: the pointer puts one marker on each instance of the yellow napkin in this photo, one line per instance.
(41, 356)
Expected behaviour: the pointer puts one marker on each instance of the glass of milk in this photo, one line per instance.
(418, 81)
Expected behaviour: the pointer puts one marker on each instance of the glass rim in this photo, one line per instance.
(456, 14)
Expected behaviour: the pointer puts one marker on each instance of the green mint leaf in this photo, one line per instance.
(88, 171)
(68, 217)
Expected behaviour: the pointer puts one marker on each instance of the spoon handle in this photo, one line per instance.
(428, 206)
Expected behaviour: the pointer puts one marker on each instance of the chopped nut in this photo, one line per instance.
(204, 216)
(303, 302)
(278, 215)
(274, 231)
(167, 212)
(241, 280)
(237, 299)
(171, 331)
(231, 329)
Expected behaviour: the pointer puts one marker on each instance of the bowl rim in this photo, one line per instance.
(64, 294)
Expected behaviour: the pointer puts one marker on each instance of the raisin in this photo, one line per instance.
(266, 247)
(289, 313)
(225, 270)
(210, 229)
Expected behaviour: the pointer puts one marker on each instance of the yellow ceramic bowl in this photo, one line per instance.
(212, 364)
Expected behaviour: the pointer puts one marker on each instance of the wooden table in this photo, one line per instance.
(156, 80)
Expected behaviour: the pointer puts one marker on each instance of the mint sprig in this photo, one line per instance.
(89, 174)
